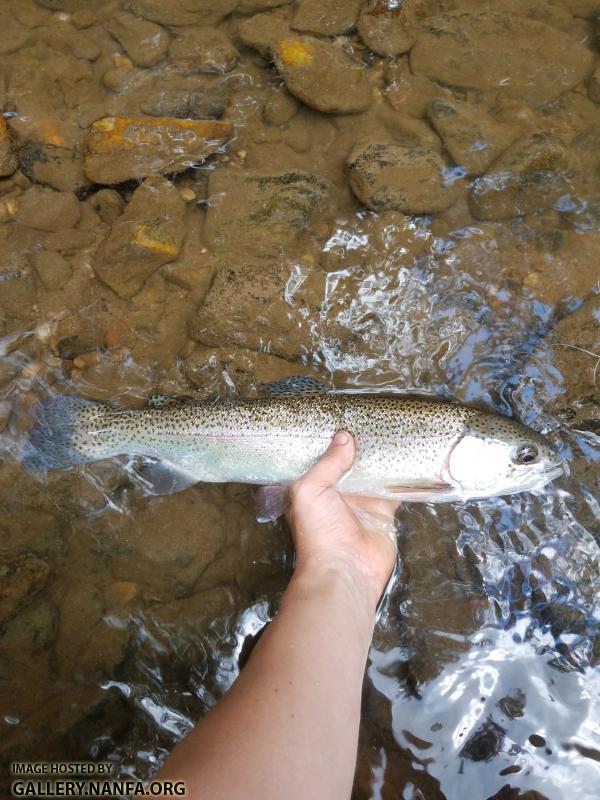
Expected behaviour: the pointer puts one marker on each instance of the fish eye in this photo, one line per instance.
(526, 454)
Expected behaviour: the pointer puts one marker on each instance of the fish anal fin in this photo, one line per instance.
(271, 502)
(162, 477)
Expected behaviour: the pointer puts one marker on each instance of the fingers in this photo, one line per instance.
(375, 505)
(337, 459)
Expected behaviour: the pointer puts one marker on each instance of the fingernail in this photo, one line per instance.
(341, 438)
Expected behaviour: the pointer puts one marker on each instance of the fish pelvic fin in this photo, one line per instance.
(55, 441)
(271, 502)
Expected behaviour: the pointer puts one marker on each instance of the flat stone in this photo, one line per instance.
(326, 17)
(182, 12)
(321, 75)
(246, 307)
(144, 42)
(576, 359)
(401, 178)
(48, 210)
(555, 266)
(147, 235)
(588, 9)
(408, 93)
(169, 566)
(108, 204)
(14, 35)
(473, 137)
(53, 269)
(263, 31)
(280, 107)
(388, 28)
(120, 149)
(527, 178)
(8, 161)
(22, 577)
(263, 215)
(58, 167)
(489, 51)
(204, 49)
(252, 6)
(594, 86)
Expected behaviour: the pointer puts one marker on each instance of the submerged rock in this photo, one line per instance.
(218, 369)
(577, 356)
(8, 161)
(251, 6)
(263, 31)
(204, 49)
(392, 176)
(182, 12)
(529, 177)
(144, 42)
(21, 578)
(490, 51)
(594, 86)
(147, 235)
(484, 743)
(120, 149)
(473, 138)
(321, 75)
(408, 93)
(245, 307)
(387, 27)
(280, 107)
(58, 167)
(48, 210)
(326, 17)
(52, 268)
(262, 214)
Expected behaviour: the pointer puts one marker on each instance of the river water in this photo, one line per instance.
(388, 196)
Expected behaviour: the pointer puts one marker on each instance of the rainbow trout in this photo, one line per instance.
(408, 448)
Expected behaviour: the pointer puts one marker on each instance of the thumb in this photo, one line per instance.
(337, 459)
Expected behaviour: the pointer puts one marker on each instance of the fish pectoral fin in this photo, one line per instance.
(271, 502)
(296, 385)
(162, 477)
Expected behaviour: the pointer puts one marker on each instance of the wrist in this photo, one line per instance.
(336, 578)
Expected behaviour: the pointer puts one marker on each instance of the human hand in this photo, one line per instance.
(331, 530)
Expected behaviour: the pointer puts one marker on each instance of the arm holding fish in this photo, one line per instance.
(289, 725)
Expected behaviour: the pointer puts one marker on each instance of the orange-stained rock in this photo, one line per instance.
(8, 162)
(120, 149)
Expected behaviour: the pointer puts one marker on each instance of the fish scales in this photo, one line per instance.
(407, 447)
(260, 441)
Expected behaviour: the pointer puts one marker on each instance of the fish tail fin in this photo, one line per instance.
(58, 438)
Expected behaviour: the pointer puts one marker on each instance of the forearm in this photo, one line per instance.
(289, 725)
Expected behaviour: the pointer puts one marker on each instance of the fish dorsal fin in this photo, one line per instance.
(295, 385)
(164, 401)
(159, 477)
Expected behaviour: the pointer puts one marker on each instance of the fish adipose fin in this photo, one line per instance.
(52, 442)
(159, 477)
(296, 385)
(271, 502)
